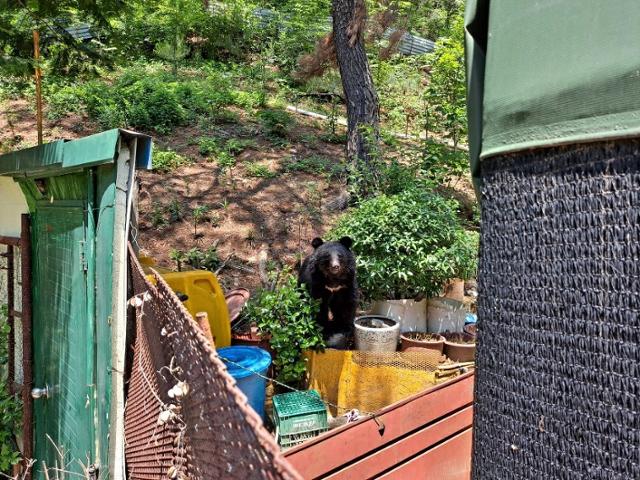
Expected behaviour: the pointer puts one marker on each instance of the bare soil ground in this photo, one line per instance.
(247, 216)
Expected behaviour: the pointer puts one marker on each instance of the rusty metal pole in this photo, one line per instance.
(36, 57)
(11, 317)
(27, 358)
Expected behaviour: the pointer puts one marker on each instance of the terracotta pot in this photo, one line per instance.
(454, 289)
(460, 347)
(252, 339)
(236, 300)
(470, 328)
(436, 344)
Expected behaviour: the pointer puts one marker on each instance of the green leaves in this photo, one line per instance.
(10, 405)
(447, 89)
(168, 160)
(288, 314)
(408, 245)
(275, 122)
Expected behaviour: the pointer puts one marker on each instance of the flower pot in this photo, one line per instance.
(454, 289)
(376, 333)
(460, 347)
(445, 315)
(430, 341)
(471, 329)
(236, 299)
(252, 338)
(412, 315)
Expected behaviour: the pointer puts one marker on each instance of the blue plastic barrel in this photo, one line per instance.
(243, 363)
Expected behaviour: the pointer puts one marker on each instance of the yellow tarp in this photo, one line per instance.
(369, 381)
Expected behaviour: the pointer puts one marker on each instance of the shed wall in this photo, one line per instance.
(12, 205)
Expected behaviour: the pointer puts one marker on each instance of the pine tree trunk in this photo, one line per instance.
(363, 115)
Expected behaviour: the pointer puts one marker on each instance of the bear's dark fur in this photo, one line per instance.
(329, 275)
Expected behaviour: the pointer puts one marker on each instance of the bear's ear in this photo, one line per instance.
(316, 242)
(346, 241)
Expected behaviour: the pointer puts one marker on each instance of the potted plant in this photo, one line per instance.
(460, 346)
(286, 314)
(376, 333)
(430, 341)
(407, 246)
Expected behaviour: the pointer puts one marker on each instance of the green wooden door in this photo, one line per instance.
(63, 340)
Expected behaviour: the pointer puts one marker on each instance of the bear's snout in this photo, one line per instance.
(335, 265)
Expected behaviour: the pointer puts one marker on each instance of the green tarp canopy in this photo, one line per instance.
(545, 73)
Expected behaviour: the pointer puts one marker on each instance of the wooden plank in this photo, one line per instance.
(358, 439)
(399, 452)
(451, 460)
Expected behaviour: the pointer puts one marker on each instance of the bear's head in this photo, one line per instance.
(334, 259)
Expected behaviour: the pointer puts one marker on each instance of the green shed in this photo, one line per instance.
(76, 200)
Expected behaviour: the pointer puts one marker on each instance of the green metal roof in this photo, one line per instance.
(81, 153)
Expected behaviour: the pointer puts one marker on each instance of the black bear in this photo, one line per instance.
(329, 274)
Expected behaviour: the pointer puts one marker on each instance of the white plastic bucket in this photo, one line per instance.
(381, 336)
(445, 315)
(412, 315)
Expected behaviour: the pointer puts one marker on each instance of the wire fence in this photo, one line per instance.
(184, 416)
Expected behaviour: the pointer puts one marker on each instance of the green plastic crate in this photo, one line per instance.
(299, 412)
(288, 441)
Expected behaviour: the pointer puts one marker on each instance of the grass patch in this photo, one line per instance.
(167, 160)
(257, 170)
(314, 165)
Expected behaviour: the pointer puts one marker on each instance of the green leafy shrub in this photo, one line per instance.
(158, 219)
(168, 160)
(408, 245)
(200, 259)
(246, 100)
(305, 25)
(199, 214)
(148, 97)
(146, 103)
(447, 88)
(230, 29)
(224, 115)
(226, 162)
(337, 138)
(275, 122)
(288, 314)
(441, 161)
(10, 405)
(258, 170)
(175, 210)
(65, 100)
(174, 51)
(208, 146)
(236, 146)
(177, 256)
(315, 165)
(396, 177)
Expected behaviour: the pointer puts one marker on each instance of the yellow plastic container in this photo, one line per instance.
(203, 295)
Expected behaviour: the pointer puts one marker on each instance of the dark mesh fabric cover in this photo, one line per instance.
(558, 379)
